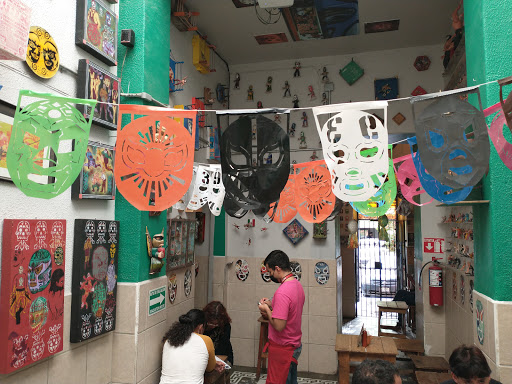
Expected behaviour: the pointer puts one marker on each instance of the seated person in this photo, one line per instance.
(187, 354)
(376, 372)
(218, 328)
(469, 366)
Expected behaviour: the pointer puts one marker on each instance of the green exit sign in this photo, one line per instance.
(156, 300)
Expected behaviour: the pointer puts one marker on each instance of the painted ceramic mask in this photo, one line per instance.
(242, 270)
(42, 53)
(201, 185)
(321, 273)
(252, 186)
(39, 270)
(453, 141)
(296, 269)
(265, 275)
(38, 313)
(99, 263)
(354, 145)
(216, 190)
(173, 288)
(62, 134)
(188, 283)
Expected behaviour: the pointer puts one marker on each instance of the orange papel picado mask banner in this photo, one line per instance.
(286, 210)
(313, 191)
(154, 156)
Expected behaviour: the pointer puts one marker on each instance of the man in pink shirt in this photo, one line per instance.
(284, 314)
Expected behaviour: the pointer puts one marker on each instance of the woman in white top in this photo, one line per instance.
(187, 353)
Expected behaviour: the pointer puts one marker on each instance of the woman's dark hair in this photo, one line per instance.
(56, 276)
(215, 311)
(181, 330)
(468, 362)
(279, 259)
(375, 372)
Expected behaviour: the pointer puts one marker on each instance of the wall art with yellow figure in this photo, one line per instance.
(42, 53)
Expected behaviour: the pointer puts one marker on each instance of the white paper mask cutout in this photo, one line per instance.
(355, 148)
(182, 203)
(201, 184)
(216, 191)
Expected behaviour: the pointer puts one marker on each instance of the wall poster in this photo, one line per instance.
(32, 291)
(182, 236)
(94, 285)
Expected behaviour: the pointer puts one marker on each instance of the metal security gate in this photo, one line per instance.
(376, 265)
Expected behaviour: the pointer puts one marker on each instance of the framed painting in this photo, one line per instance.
(94, 285)
(96, 30)
(32, 291)
(386, 89)
(96, 179)
(181, 243)
(96, 83)
(320, 230)
(29, 139)
(295, 231)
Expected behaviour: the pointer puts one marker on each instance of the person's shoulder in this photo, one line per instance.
(206, 339)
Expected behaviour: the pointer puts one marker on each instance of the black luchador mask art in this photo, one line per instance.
(253, 186)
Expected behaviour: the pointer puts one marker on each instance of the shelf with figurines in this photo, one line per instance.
(465, 266)
(461, 218)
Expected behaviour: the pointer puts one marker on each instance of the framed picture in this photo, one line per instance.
(295, 231)
(382, 26)
(386, 89)
(96, 30)
(181, 242)
(96, 179)
(6, 123)
(95, 83)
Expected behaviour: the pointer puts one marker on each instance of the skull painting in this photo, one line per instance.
(453, 141)
(39, 270)
(86, 327)
(90, 230)
(112, 232)
(102, 231)
(22, 234)
(355, 147)
(40, 235)
(98, 326)
(253, 186)
(321, 273)
(61, 133)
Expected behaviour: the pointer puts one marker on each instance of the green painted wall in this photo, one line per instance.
(219, 237)
(146, 69)
(489, 57)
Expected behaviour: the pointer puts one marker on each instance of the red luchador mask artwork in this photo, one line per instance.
(286, 209)
(155, 156)
(407, 176)
(313, 191)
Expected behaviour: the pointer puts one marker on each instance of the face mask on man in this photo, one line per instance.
(274, 279)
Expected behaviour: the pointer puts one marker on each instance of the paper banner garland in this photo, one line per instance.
(155, 156)
(434, 188)
(32, 291)
(61, 134)
(253, 186)
(295, 231)
(354, 145)
(94, 288)
(286, 209)
(407, 176)
(506, 105)
(201, 182)
(182, 203)
(216, 190)
(502, 145)
(452, 139)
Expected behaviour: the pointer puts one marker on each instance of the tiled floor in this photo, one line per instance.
(353, 326)
(240, 377)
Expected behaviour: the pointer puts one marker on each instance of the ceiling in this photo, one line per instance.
(232, 30)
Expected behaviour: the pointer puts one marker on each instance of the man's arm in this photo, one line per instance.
(277, 324)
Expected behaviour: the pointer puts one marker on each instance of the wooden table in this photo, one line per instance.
(410, 346)
(430, 363)
(423, 377)
(383, 348)
(215, 377)
(399, 307)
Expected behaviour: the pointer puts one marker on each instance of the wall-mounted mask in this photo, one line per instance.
(42, 53)
(48, 140)
(314, 197)
(242, 270)
(452, 140)
(250, 186)
(410, 185)
(173, 288)
(321, 273)
(187, 284)
(39, 270)
(296, 269)
(154, 156)
(354, 145)
(265, 274)
(434, 188)
(216, 190)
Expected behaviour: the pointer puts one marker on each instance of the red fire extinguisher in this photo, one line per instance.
(435, 284)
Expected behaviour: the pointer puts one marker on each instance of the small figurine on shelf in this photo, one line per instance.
(156, 251)
(324, 99)
(269, 159)
(250, 94)
(304, 119)
(313, 157)
(287, 89)
(297, 69)
(237, 81)
(208, 98)
(311, 93)
(302, 140)
(277, 118)
(291, 132)
(325, 78)
(295, 101)
(259, 105)
(269, 85)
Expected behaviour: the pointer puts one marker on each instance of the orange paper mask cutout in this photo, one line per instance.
(286, 210)
(154, 156)
(313, 191)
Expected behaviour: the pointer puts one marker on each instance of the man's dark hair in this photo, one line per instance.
(279, 259)
(375, 372)
(468, 362)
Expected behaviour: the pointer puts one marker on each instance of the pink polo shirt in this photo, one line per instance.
(287, 304)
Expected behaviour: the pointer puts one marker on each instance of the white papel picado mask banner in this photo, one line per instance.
(201, 186)
(355, 147)
(182, 203)
(216, 190)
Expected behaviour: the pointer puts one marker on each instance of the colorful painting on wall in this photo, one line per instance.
(32, 299)
(181, 242)
(386, 89)
(295, 231)
(42, 53)
(96, 180)
(95, 83)
(271, 38)
(96, 30)
(324, 19)
(320, 230)
(94, 286)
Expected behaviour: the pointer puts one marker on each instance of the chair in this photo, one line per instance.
(262, 356)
